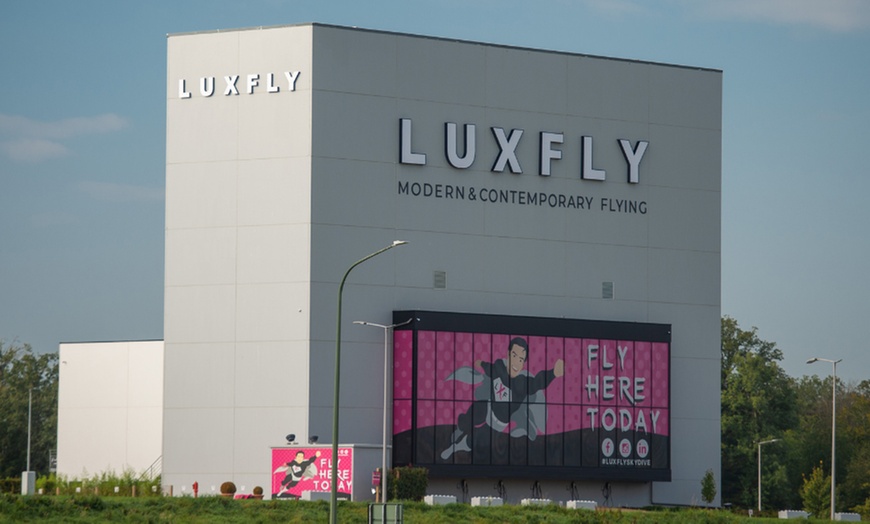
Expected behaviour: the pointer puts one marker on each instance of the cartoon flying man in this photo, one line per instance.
(503, 387)
(296, 470)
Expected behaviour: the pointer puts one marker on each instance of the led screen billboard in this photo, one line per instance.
(518, 397)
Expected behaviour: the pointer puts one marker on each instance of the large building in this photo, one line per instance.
(561, 277)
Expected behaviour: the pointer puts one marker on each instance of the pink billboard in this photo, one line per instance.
(480, 395)
(297, 469)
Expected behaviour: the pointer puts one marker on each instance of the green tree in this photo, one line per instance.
(758, 403)
(816, 493)
(708, 487)
(23, 371)
(810, 442)
(863, 509)
(855, 487)
(853, 445)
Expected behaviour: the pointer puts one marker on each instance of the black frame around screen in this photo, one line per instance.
(549, 456)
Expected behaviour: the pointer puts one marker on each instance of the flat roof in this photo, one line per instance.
(131, 341)
(443, 39)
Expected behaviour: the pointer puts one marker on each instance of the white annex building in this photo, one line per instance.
(579, 194)
(110, 407)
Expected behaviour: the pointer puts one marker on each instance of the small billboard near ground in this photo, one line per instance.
(298, 469)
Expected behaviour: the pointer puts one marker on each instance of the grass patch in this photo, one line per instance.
(92, 508)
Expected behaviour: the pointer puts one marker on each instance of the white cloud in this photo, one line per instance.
(28, 150)
(830, 15)
(112, 192)
(70, 127)
(34, 140)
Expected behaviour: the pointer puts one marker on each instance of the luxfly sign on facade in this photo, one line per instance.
(252, 83)
(462, 154)
(549, 150)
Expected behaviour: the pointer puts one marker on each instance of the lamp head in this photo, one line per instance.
(814, 359)
(399, 242)
(290, 438)
(312, 439)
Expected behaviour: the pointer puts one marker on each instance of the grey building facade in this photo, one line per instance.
(526, 182)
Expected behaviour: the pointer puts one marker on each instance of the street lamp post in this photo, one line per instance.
(387, 331)
(759, 469)
(29, 413)
(333, 496)
(28, 478)
(833, 425)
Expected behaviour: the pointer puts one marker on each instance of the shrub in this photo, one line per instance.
(102, 484)
(10, 485)
(408, 483)
(46, 484)
(228, 488)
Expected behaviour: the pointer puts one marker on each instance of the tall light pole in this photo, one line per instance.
(387, 331)
(29, 414)
(833, 425)
(333, 497)
(759, 469)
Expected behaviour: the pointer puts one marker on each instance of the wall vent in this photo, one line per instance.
(607, 290)
(439, 279)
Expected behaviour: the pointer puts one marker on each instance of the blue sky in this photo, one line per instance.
(82, 148)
